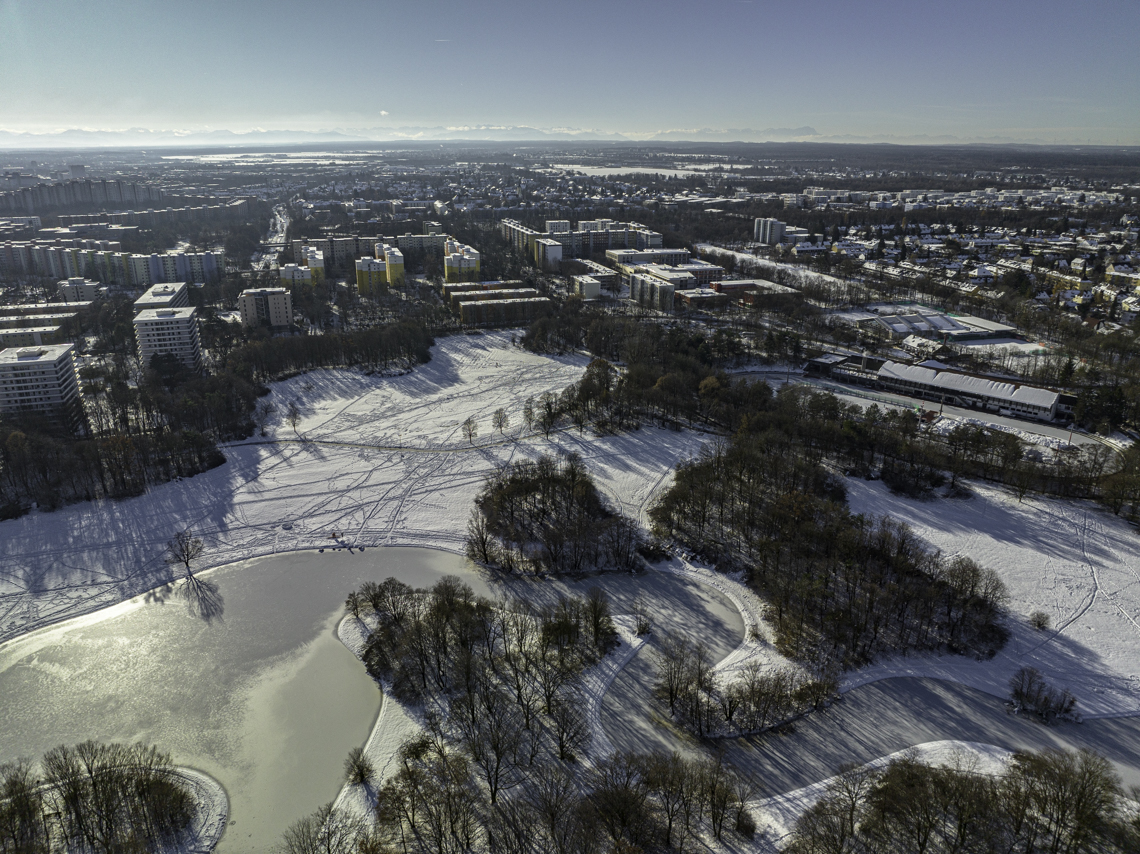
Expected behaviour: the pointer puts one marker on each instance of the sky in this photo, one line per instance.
(1035, 70)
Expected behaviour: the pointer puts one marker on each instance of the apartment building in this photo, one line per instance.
(769, 231)
(164, 296)
(591, 236)
(79, 289)
(266, 307)
(169, 331)
(460, 262)
(375, 275)
(77, 258)
(42, 381)
(637, 257)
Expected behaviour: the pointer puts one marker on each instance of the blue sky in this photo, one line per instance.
(1037, 69)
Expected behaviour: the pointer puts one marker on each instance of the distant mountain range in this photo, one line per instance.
(145, 138)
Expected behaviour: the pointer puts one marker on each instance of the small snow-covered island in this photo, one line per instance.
(354, 524)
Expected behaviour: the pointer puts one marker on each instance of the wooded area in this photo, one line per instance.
(99, 798)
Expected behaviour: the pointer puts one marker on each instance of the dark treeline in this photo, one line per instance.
(1053, 802)
(38, 468)
(94, 799)
(846, 586)
(404, 343)
(547, 516)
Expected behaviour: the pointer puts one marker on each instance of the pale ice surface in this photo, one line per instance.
(374, 461)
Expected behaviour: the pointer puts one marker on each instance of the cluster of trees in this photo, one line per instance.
(503, 677)
(434, 804)
(758, 699)
(49, 471)
(846, 586)
(1055, 802)
(405, 343)
(548, 516)
(99, 798)
(168, 398)
(1029, 692)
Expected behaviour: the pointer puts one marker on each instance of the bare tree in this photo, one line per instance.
(470, 429)
(571, 731)
(184, 548)
(293, 416)
(674, 660)
(358, 768)
(500, 420)
(327, 831)
(261, 414)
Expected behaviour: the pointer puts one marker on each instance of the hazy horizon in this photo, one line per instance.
(1044, 72)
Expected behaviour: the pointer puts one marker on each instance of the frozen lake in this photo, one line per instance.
(263, 697)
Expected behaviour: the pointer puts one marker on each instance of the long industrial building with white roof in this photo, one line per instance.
(936, 382)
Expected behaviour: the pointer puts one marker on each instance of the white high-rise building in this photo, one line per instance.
(770, 231)
(42, 381)
(172, 331)
(266, 307)
(164, 296)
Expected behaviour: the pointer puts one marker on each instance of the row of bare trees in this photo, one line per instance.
(1055, 802)
(98, 798)
(502, 678)
(434, 804)
(757, 699)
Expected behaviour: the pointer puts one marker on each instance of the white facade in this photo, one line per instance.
(266, 307)
(41, 380)
(171, 331)
(770, 231)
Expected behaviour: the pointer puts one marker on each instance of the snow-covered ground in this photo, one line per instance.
(1072, 560)
(213, 811)
(374, 461)
(757, 646)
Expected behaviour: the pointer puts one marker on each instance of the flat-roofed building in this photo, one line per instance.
(30, 336)
(169, 331)
(458, 298)
(371, 277)
(79, 289)
(266, 307)
(587, 287)
(547, 254)
(41, 381)
(503, 312)
(637, 257)
(769, 231)
(651, 292)
(297, 273)
(164, 296)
